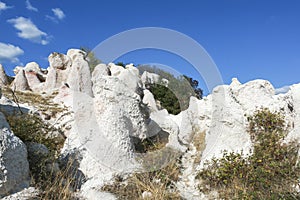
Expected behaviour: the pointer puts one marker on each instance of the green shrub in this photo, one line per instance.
(176, 95)
(270, 172)
(166, 97)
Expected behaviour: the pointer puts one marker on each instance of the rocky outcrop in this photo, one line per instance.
(71, 70)
(14, 168)
(3, 77)
(222, 117)
(79, 78)
(58, 71)
(32, 67)
(20, 83)
(59, 61)
(111, 111)
(149, 78)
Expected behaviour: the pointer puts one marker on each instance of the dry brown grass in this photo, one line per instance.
(199, 144)
(58, 185)
(159, 183)
(42, 103)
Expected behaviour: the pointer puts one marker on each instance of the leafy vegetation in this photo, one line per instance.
(271, 172)
(175, 95)
(166, 97)
(121, 64)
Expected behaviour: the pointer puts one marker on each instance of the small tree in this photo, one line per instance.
(194, 84)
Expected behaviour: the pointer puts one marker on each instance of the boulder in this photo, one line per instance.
(149, 100)
(58, 71)
(20, 83)
(17, 69)
(101, 70)
(131, 80)
(14, 167)
(79, 77)
(3, 77)
(132, 69)
(115, 69)
(59, 61)
(32, 67)
(33, 81)
(149, 78)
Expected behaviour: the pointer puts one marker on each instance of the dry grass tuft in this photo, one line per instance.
(42, 103)
(199, 144)
(160, 184)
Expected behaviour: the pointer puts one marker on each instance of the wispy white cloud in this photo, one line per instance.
(58, 13)
(3, 6)
(30, 7)
(10, 53)
(52, 18)
(28, 30)
(282, 90)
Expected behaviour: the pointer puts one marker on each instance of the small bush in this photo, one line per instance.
(175, 96)
(166, 97)
(271, 172)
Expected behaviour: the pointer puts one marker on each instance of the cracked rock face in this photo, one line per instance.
(14, 167)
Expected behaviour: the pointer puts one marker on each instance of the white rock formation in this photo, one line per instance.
(112, 109)
(3, 77)
(222, 116)
(33, 81)
(79, 78)
(149, 100)
(58, 71)
(20, 83)
(101, 70)
(17, 69)
(149, 78)
(105, 124)
(115, 69)
(59, 61)
(32, 67)
(14, 168)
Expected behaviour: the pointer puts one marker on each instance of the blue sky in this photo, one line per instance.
(248, 39)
